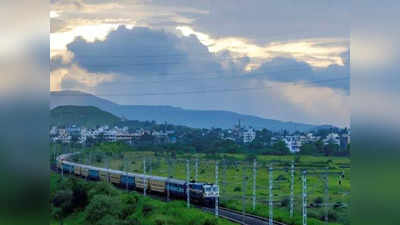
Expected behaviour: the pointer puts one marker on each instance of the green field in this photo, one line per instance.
(236, 180)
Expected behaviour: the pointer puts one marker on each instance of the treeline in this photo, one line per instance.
(319, 149)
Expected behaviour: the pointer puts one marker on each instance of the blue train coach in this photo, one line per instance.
(177, 188)
(128, 181)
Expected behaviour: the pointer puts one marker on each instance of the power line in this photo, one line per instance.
(212, 90)
(241, 76)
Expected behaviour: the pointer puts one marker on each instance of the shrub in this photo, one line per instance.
(210, 221)
(237, 189)
(280, 177)
(318, 201)
(147, 209)
(109, 220)
(128, 204)
(102, 189)
(285, 202)
(100, 206)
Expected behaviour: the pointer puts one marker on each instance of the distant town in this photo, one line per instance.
(239, 134)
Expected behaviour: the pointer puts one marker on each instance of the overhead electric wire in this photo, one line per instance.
(211, 90)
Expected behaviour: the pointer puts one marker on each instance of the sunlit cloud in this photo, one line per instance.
(54, 14)
(83, 7)
(91, 33)
(316, 52)
(82, 79)
(322, 104)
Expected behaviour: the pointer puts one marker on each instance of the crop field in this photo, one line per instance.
(236, 174)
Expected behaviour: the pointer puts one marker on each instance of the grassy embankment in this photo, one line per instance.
(95, 203)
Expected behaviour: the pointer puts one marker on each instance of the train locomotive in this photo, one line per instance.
(200, 193)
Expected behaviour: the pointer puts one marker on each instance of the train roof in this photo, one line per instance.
(64, 158)
(175, 181)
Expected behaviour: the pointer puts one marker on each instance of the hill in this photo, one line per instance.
(175, 115)
(87, 116)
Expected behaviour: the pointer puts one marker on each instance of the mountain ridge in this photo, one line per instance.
(175, 115)
(87, 116)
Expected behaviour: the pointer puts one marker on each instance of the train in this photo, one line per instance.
(205, 194)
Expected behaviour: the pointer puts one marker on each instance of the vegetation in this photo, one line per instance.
(87, 116)
(235, 166)
(77, 202)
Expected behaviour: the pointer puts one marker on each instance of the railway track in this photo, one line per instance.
(229, 214)
(240, 218)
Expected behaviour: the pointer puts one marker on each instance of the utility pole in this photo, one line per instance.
(108, 168)
(62, 169)
(223, 176)
(169, 175)
(254, 183)
(144, 177)
(304, 197)
(244, 184)
(326, 200)
(187, 184)
(196, 169)
(88, 163)
(126, 172)
(216, 183)
(271, 209)
(151, 166)
(291, 189)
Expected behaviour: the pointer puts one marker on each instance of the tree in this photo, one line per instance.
(331, 149)
(308, 149)
(62, 205)
(101, 206)
(281, 148)
(79, 194)
(102, 189)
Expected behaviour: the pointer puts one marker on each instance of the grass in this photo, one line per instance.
(148, 211)
(236, 181)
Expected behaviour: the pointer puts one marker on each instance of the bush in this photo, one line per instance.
(128, 204)
(147, 209)
(318, 202)
(280, 178)
(237, 189)
(285, 202)
(80, 197)
(102, 189)
(210, 221)
(109, 220)
(101, 206)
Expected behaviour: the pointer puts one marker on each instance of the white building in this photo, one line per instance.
(249, 135)
(293, 143)
(332, 138)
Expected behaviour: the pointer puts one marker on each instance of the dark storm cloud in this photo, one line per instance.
(293, 71)
(143, 52)
(263, 20)
(140, 51)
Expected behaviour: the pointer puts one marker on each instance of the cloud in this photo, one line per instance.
(76, 78)
(142, 51)
(264, 21)
(291, 70)
(320, 104)
(316, 52)
(130, 63)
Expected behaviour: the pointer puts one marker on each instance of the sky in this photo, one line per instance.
(286, 60)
